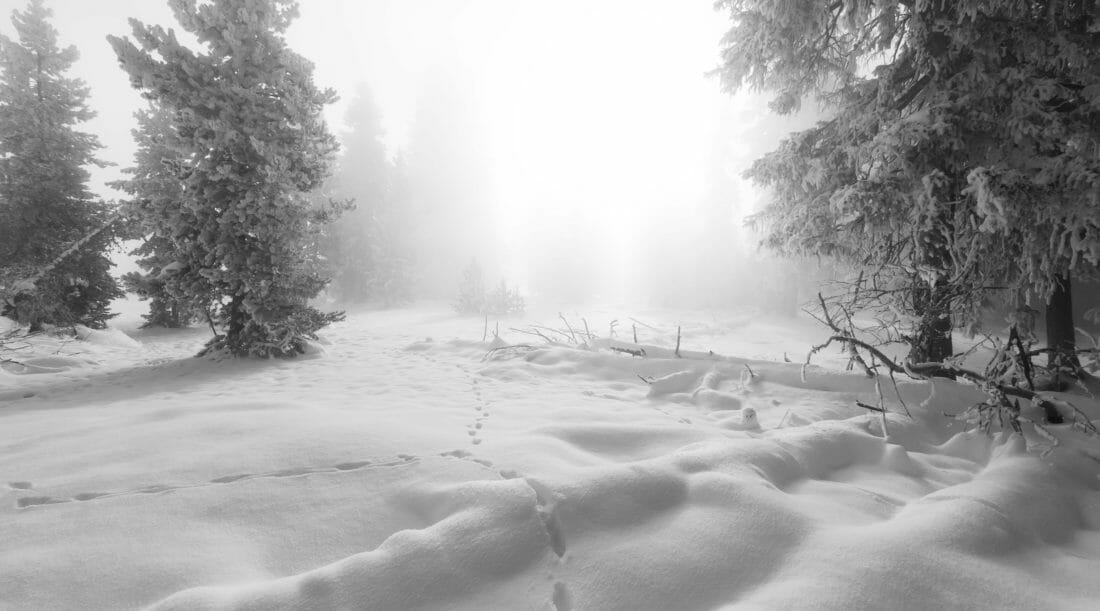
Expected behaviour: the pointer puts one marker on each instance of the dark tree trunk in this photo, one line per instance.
(932, 341)
(1060, 329)
(237, 320)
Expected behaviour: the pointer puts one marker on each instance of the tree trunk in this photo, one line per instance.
(237, 320)
(932, 341)
(1060, 331)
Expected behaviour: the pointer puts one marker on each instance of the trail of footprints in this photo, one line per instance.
(481, 406)
(400, 460)
(561, 600)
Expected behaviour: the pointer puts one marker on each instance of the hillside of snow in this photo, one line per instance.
(412, 464)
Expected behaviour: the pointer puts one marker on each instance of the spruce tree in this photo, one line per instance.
(154, 184)
(364, 248)
(252, 143)
(960, 158)
(45, 205)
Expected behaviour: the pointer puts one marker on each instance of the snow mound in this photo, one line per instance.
(106, 337)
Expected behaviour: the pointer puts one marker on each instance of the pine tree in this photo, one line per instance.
(253, 143)
(961, 154)
(45, 205)
(155, 185)
(363, 247)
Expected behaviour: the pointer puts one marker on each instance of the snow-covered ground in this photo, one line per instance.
(410, 466)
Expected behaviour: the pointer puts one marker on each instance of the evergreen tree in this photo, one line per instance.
(155, 185)
(45, 205)
(363, 247)
(253, 143)
(962, 151)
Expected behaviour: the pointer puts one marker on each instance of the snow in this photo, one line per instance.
(409, 465)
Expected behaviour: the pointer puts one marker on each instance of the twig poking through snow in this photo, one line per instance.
(517, 347)
(572, 334)
(631, 352)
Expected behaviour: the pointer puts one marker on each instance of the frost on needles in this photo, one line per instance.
(251, 144)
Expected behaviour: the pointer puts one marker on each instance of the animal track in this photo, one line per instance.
(481, 406)
(399, 461)
(29, 501)
(563, 600)
(544, 504)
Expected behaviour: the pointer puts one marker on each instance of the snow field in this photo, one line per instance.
(408, 467)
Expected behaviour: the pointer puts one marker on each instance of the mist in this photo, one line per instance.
(579, 153)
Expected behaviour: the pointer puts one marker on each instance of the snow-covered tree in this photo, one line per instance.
(155, 184)
(45, 205)
(252, 144)
(961, 153)
(363, 247)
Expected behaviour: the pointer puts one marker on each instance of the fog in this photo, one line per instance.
(575, 148)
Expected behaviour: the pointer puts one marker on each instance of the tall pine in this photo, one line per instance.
(252, 143)
(962, 153)
(45, 205)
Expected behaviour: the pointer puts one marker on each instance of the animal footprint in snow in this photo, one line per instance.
(563, 600)
(29, 501)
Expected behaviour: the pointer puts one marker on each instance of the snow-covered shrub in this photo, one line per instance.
(504, 300)
(473, 298)
(471, 291)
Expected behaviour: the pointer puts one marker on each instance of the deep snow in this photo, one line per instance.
(409, 466)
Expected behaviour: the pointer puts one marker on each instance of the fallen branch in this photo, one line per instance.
(631, 352)
(493, 351)
(924, 371)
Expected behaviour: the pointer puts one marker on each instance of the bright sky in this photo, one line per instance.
(598, 107)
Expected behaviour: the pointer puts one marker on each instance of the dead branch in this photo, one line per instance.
(924, 371)
(572, 334)
(868, 406)
(1025, 360)
(650, 327)
(532, 331)
(493, 351)
(630, 351)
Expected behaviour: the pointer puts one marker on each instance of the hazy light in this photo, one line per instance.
(602, 134)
